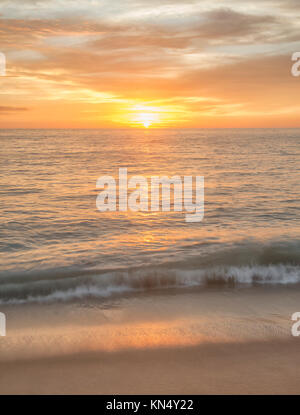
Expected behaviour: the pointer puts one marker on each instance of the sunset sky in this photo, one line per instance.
(149, 63)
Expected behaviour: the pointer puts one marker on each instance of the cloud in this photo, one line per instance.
(12, 109)
(225, 22)
(109, 55)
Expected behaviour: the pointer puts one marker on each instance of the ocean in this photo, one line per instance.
(56, 246)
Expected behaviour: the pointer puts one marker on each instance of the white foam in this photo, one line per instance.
(120, 282)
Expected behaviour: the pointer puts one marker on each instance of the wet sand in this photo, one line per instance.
(250, 368)
(213, 342)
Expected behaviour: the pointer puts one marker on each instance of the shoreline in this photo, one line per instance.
(198, 342)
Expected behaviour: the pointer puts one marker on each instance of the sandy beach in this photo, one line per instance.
(250, 368)
(210, 342)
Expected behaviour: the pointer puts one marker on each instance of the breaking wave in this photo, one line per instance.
(246, 264)
(120, 282)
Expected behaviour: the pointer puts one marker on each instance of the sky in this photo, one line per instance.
(149, 64)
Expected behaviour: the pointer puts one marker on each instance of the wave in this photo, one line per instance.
(246, 264)
(120, 282)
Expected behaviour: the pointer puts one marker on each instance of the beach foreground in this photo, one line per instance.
(251, 368)
(206, 342)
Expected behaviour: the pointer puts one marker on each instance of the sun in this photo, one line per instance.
(144, 116)
(147, 124)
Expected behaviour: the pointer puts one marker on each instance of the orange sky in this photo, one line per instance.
(140, 63)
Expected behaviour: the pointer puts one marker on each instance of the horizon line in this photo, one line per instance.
(148, 129)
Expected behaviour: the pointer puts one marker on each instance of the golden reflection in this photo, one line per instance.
(148, 335)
